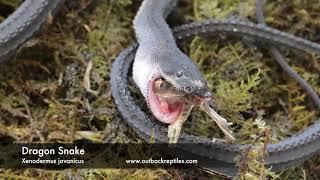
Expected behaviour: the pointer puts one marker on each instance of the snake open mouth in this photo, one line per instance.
(165, 110)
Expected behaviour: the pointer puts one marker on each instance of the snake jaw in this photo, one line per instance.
(164, 110)
(169, 109)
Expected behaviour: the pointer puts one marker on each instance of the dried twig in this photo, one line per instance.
(86, 79)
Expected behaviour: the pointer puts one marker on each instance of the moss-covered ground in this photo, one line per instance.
(44, 97)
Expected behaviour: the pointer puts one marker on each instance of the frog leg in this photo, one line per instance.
(221, 122)
(174, 129)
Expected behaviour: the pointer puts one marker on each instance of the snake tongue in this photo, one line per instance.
(164, 106)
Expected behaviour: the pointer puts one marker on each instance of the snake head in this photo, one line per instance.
(176, 69)
(184, 75)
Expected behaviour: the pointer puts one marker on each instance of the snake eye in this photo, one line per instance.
(188, 89)
(179, 73)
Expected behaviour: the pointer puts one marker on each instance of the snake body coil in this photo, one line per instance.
(29, 17)
(218, 154)
(23, 23)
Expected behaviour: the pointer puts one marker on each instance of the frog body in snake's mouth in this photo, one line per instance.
(166, 102)
(173, 107)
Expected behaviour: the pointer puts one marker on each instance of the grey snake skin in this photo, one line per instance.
(23, 23)
(281, 155)
(29, 17)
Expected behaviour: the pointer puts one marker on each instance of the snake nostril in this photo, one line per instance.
(208, 95)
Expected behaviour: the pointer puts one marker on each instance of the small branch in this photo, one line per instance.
(86, 79)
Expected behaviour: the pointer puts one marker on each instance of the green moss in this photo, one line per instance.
(206, 9)
(235, 96)
(247, 84)
(227, 66)
(252, 161)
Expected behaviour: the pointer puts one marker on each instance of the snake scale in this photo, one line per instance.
(29, 17)
(23, 23)
(281, 155)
